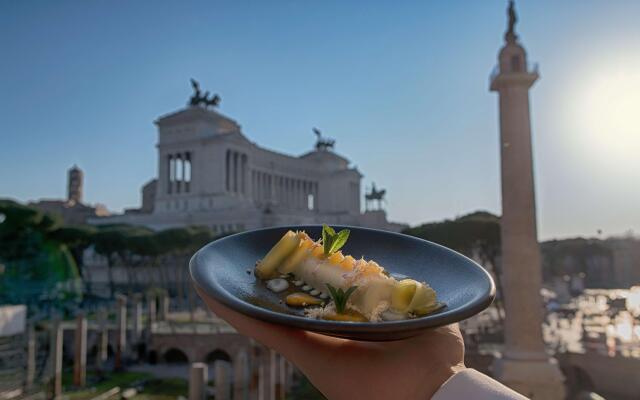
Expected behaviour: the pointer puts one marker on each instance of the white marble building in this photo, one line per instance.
(210, 173)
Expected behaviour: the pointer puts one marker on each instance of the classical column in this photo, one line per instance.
(31, 358)
(269, 374)
(222, 382)
(281, 378)
(162, 315)
(235, 172)
(267, 370)
(121, 344)
(103, 340)
(243, 186)
(254, 186)
(227, 170)
(57, 334)
(151, 309)
(525, 365)
(316, 200)
(258, 192)
(305, 191)
(190, 293)
(289, 375)
(272, 188)
(169, 181)
(80, 353)
(137, 319)
(198, 377)
(254, 372)
(164, 306)
(241, 376)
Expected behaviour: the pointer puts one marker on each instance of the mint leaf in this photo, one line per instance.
(332, 241)
(339, 240)
(349, 292)
(327, 238)
(340, 297)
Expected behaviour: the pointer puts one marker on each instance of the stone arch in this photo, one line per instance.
(217, 355)
(175, 356)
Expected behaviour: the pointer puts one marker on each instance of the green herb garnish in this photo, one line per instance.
(340, 297)
(333, 241)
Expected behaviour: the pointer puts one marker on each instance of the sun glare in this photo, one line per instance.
(608, 111)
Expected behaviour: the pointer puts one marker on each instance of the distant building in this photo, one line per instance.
(210, 173)
(592, 263)
(72, 210)
(626, 256)
(74, 186)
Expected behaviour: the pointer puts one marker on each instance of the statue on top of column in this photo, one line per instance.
(513, 18)
(373, 196)
(197, 98)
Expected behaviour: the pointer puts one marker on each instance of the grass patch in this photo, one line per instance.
(163, 389)
(95, 386)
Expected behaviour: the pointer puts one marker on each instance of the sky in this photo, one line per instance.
(401, 86)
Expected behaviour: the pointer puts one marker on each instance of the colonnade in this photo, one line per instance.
(179, 176)
(291, 192)
(257, 373)
(236, 172)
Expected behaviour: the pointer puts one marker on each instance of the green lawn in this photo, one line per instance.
(154, 389)
(164, 389)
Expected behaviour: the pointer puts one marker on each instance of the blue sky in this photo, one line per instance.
(402, 86)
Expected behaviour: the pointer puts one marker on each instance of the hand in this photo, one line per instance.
(410, 369)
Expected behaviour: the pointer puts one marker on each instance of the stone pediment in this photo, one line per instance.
(325, 156)
(195, 114)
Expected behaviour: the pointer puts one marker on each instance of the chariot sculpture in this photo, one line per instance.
(323, 143)
(197, 98)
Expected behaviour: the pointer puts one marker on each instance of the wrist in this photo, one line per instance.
(440, 377)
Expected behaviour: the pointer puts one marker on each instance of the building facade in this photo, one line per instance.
(211, 174)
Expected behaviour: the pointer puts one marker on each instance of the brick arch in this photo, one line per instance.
(218, 355)
(175, 355)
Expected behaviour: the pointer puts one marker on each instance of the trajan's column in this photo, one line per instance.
(524, 366)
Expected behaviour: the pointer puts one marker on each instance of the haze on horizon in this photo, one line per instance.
(402, 88)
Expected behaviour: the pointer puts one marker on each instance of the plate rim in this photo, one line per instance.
(446, 317)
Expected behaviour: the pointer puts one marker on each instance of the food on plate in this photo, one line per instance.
(330, 285)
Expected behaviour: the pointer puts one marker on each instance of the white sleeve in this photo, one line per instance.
(471, 384)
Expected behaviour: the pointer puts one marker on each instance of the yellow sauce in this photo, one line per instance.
(347, 316)
(302, 300)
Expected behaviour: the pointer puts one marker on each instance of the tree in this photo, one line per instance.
(108, 242)
(35, 260)
(77, 238)
(476, 235)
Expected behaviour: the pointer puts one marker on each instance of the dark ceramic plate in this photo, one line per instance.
(224, 270)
